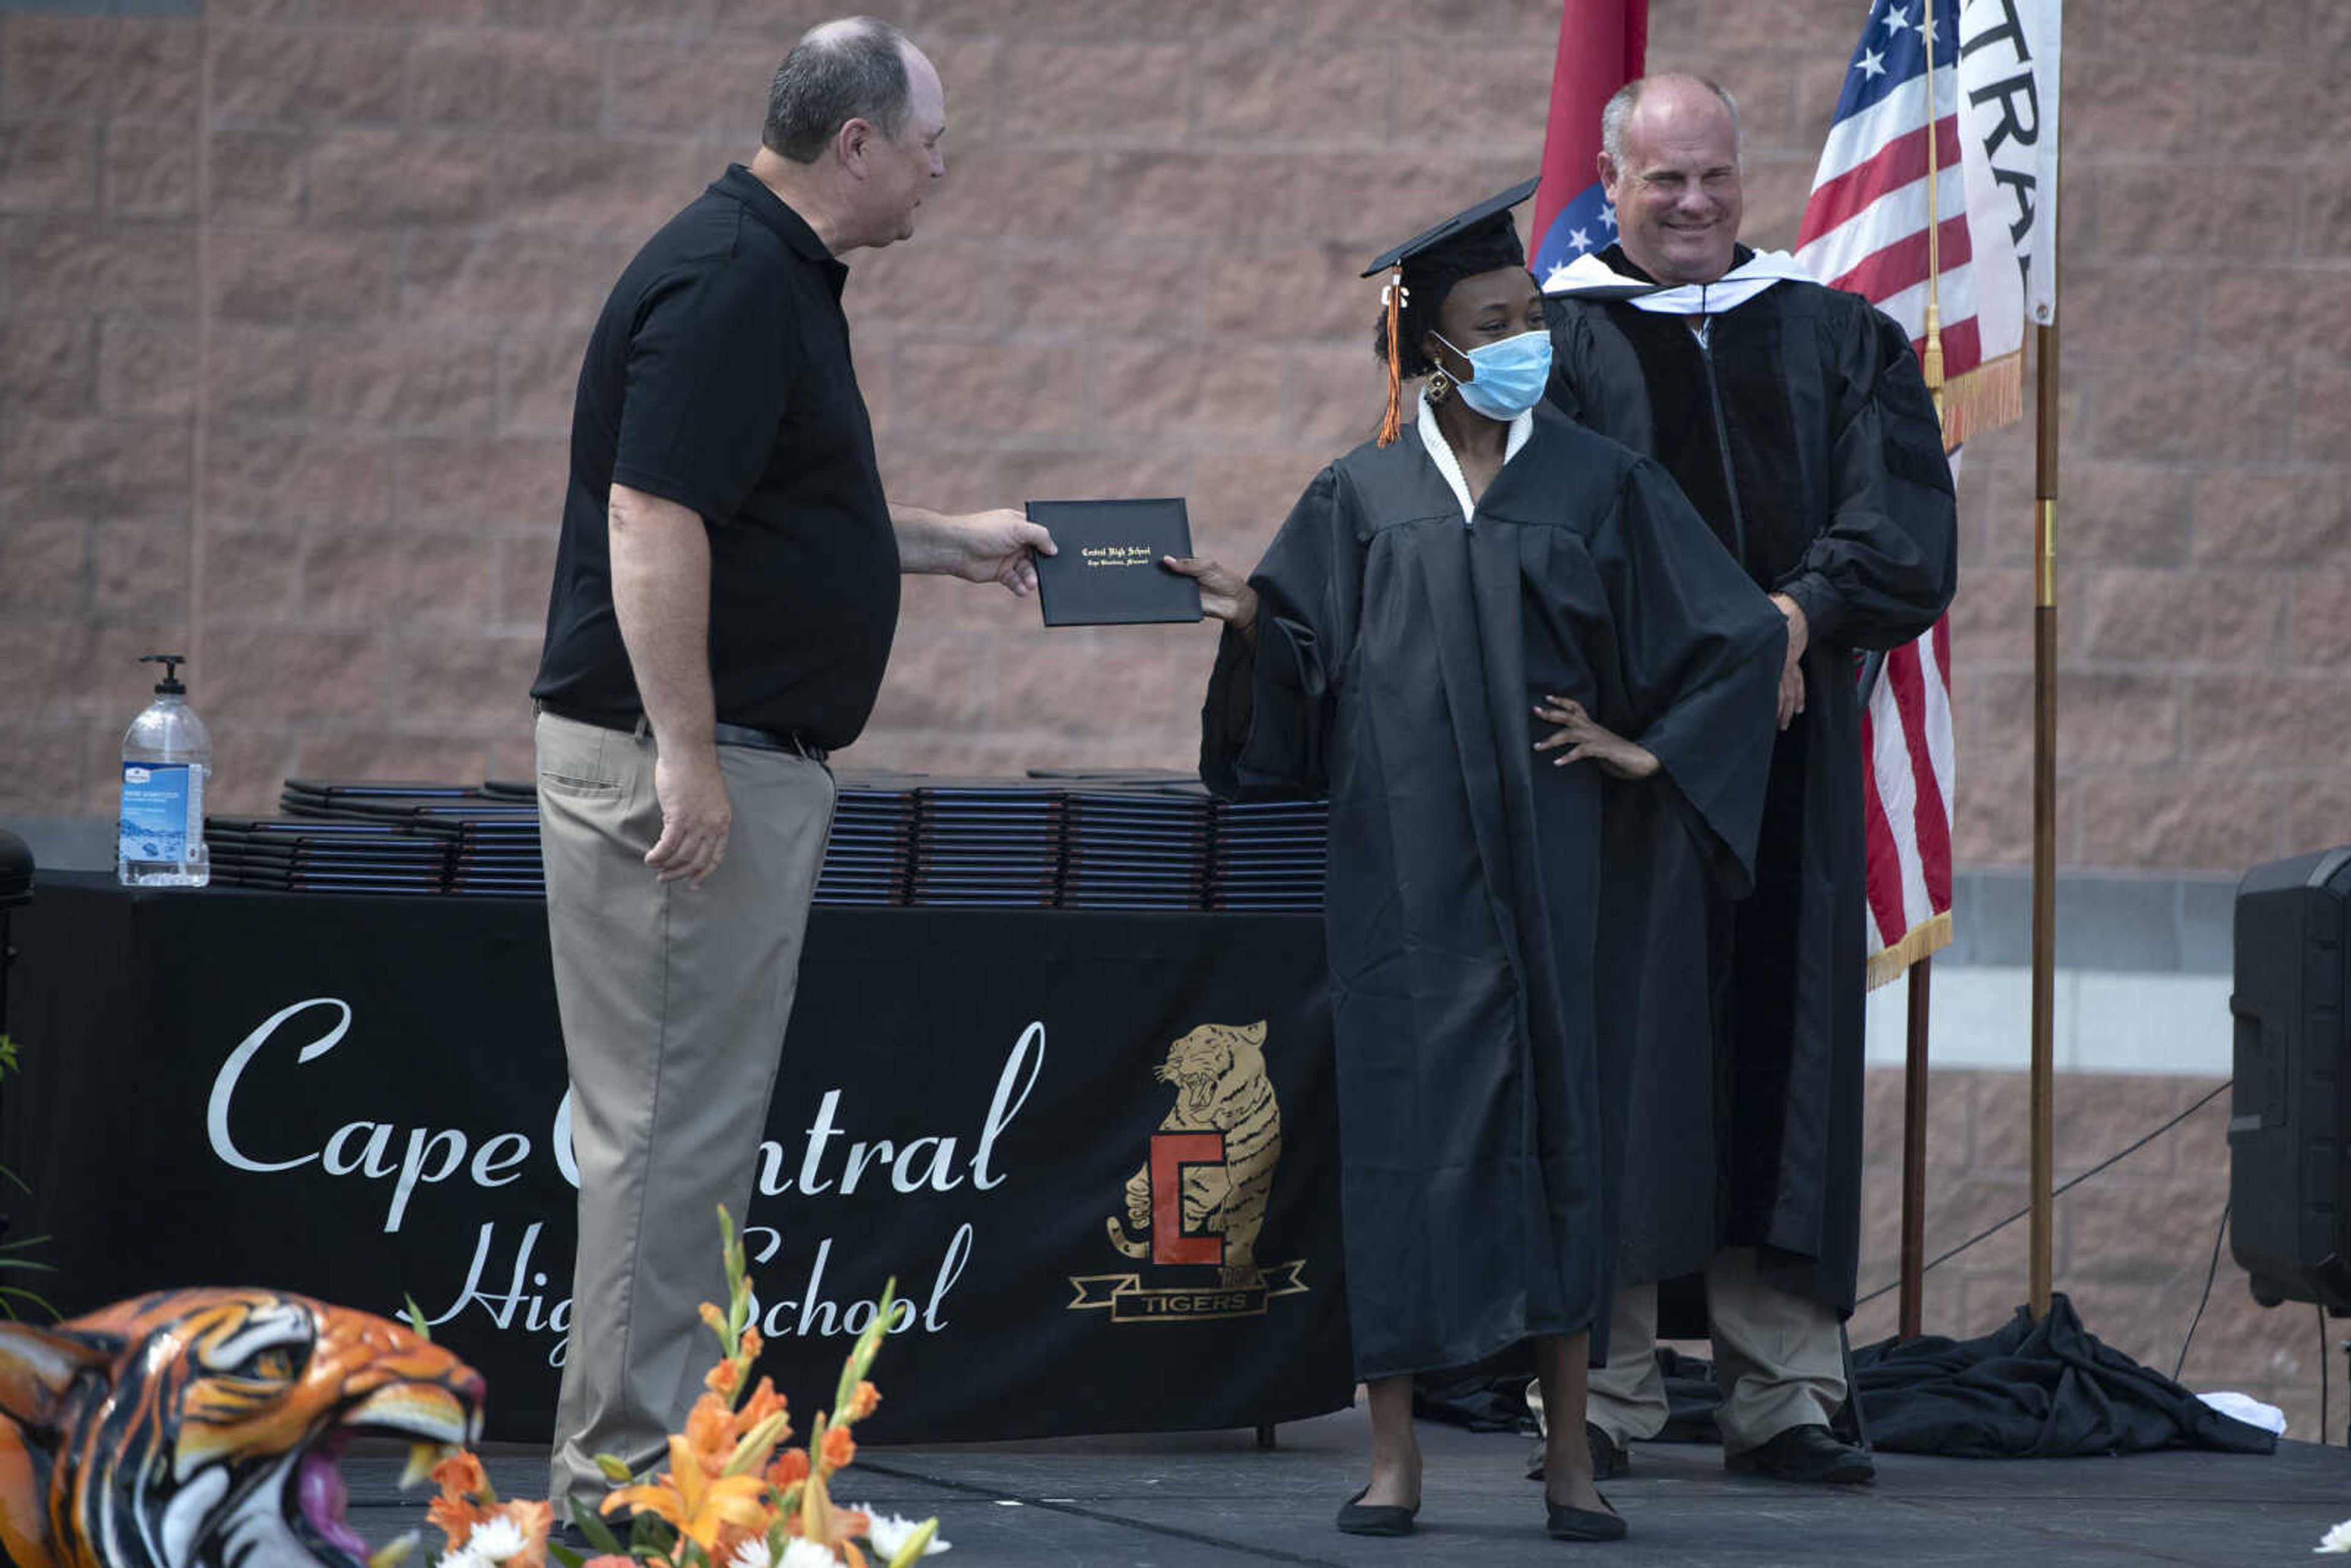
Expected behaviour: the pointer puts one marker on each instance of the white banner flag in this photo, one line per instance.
(2009, 59)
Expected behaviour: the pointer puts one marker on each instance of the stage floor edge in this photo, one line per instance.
(1216, 1498)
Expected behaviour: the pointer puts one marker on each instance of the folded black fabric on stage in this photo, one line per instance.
(2043, 1390)
(1480, 1400)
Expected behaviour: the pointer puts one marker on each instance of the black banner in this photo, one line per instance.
(1096, 1150)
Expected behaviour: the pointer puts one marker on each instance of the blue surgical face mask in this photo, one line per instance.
(1508, 377)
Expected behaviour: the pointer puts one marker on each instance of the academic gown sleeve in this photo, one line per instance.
(1699, 652)
(1885, 566)
(1266, 729)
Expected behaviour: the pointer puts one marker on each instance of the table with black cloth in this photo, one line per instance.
(362, 1099)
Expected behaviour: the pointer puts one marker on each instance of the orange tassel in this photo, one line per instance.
(1393, 297)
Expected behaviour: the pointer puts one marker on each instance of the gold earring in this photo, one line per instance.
(1440, 387)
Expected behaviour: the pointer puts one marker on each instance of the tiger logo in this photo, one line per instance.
(1218, 1071)
(205, 1429)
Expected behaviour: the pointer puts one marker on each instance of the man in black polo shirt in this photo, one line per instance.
(724, 594)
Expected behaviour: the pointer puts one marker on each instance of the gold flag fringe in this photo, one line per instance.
(1923, 940)
(1983, 399)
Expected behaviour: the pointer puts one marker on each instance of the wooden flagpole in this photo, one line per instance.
(1910, 1319)
(2044, 779)
(2044, 824)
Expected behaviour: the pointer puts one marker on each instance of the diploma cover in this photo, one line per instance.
(1106, 571)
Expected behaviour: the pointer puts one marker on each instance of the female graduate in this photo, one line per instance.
(1493, 639)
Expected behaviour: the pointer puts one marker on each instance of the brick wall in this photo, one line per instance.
(2132, 1243)
(292, 294)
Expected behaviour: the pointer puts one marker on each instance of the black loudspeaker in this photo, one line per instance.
(2289, 1163)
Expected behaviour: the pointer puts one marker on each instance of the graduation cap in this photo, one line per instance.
(1476, 239)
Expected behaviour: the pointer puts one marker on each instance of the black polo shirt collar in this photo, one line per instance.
(747, 188)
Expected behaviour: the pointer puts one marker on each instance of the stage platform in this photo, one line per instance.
(1216, 1501)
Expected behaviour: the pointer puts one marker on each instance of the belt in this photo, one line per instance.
(724, 733)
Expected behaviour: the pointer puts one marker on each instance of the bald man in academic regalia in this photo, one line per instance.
(1794, 418)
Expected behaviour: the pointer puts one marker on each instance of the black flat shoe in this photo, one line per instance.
(1357, 1517)
(1564, 1523)
(1809, 1453)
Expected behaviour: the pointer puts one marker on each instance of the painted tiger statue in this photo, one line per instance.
(205, 1430)
(1218, 1071)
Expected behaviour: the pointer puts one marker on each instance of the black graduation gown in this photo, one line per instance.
(1398, 659)
(1824, 476)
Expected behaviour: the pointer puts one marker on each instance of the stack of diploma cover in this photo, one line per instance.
(1061, 839)
(325, 857)
(870, 859)
(1269, 855)
(986, 842)
(1136, 849)
(492, 837)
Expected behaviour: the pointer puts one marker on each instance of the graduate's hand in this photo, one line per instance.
(1585, 737)
(1224, 593)
(1791, 674)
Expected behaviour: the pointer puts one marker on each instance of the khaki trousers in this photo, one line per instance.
(673, 1004)
(1778, 1360)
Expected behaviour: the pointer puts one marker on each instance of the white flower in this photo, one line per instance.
(2337, 1540)
(889, 1534)
(800, 1552)
(464, 1557)
(494, 1540)
(752, 1554)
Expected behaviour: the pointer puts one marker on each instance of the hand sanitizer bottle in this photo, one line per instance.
(166, 758)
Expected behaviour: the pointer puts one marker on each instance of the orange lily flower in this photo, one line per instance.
(455, 1516)
(694, 1503)
(763, 1403)
(710, 1433)
(534, 1519)
(460, 1507)
(732, 1536)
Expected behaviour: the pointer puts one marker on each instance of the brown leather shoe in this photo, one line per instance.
(1809, 1453)
(1608, 1461)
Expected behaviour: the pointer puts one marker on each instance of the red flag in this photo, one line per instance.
(1601, 45)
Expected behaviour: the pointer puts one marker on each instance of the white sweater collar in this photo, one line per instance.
(1440, 452)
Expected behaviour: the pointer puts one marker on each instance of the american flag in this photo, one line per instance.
(1865, 229)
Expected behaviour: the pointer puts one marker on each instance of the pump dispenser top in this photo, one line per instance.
(169, 684)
